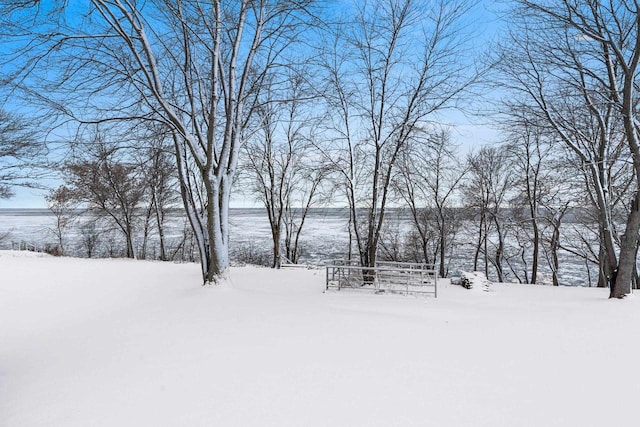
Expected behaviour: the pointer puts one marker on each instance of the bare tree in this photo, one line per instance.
(90, 236)
(312, 193)
(109, 187)
(530, 153)
(398, 64)
(554, 218)
(61, 203)
(284, 167)
(486, 190)
(161, 188)
(577, 63)
(618, 177)
(428, 180)
(195, 67)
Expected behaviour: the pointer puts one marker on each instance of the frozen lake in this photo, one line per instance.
(325, 236)
(325, 233)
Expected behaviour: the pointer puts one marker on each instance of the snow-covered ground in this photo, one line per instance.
(131, 343)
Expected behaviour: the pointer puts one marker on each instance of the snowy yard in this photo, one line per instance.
(126, 343)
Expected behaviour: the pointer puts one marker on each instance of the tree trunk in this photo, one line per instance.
(498, 261)
(425, 250)
(622, 278)
(635, 269)
(369, 261)
(604, 268)
(275, 234)
(442, 271)
(486, 249)
(216, 270)
(209, 222)
(476, 256)
(350, 244)
(536, 251)
(159, 216)
(131, 253)
(610, 261)
(163, 250)
(555, 244)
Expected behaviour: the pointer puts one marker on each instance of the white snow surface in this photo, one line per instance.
(132, 343)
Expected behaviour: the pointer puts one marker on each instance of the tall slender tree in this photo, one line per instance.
(486, 190)
(108, 186)
(429, 181)
(285, 170)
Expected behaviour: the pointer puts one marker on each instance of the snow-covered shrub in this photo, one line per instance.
(52, 249)
(4, 240)
(252, 255)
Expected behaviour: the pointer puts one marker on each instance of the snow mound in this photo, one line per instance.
(23, 254)
(475, 280)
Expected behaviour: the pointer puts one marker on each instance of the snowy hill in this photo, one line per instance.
(129, 343)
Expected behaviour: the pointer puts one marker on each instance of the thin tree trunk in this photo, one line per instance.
(604, 268)
(623, 277)
(275, 234)
(555, 244)
(476, 256)
(536, 251)
(442, 271)
(486, 249)
(498, 257)
(163, 251)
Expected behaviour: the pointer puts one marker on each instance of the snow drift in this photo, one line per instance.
(129, 343)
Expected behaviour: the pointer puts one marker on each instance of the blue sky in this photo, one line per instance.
(469, 132)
